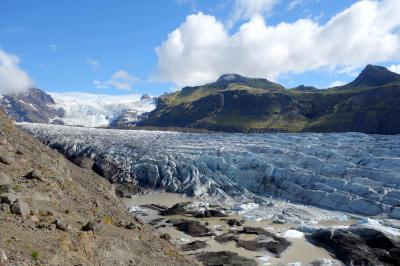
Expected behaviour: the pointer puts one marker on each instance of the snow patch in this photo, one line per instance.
(31, 105)
(292, 234)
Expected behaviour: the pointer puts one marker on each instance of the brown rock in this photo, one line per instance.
(7, 158)
(35, 174)
(4, 207)
(8, 198)
(21, 208)
(95, 226)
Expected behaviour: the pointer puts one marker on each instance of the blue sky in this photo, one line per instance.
(80, 45)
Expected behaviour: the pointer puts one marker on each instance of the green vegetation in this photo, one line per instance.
(35, 255)
(17, 187)
(368, 104)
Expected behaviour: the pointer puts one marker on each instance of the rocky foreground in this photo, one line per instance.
(55, 213)
(350, 172)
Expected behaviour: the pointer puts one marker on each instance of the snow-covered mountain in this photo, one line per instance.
(33, 105)
(77, 109)
(100, 110)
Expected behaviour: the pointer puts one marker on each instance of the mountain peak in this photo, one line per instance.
(373, 75)
(232, 78)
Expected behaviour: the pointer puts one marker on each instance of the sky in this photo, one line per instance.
(124, 46)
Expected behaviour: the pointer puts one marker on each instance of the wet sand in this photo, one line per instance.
(300, 250)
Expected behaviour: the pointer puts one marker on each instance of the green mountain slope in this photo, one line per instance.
(370, 104)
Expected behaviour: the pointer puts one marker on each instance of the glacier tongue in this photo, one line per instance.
(350, 172)
(97, 110)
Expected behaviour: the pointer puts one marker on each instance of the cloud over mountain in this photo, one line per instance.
(120, 80)
(12, 78)
(202, 48)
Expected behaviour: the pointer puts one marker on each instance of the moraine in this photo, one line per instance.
(349, 172)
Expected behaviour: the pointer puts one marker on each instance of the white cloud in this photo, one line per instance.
(201, 48)
(246, 9)
(395, 68)
(53, 48)
(294, 3)
(336, 84)
(121, 80)
(93, 63)
(12, 78)
(191, 3)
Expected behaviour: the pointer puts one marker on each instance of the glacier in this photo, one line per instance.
(350, 172)
(100, 110)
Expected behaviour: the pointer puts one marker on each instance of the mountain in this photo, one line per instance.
(53, 212)
(76, 109)
(374, 76)
(98, 110)
(33, 105)
(369, 104)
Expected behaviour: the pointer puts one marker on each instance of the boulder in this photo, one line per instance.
(258, 244)
(8, 198)
(5, 183)
(195, 245)
(61, 224)
(4, 207)
(192, 228)
(358, 245)
(4, 179)
(266, 241)
(7, 158)
(233, 222)
(209, 213)
(95, 226)
(224, 258)
(35, 174)
(83, 162)
(177, 209)
(20, 207)
(166, 237)
(131, 226)
(127, 190)
(256, 231)
(224, 238)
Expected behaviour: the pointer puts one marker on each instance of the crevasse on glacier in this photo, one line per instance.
(349, 171)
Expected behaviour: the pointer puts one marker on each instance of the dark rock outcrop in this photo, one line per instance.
(127, 190)
(266, 241)
(358, 245)
(224, 258)
(184, 208)
(195, 245)
(192, 228)
(224, 238)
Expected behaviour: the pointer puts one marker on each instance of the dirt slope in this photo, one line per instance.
(42, 213)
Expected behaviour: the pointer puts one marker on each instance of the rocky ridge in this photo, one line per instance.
(33, 105)
(53, 212)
